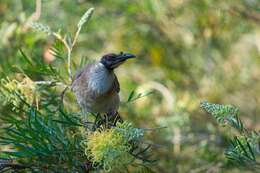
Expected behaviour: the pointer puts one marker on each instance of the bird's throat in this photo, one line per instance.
(101, 79)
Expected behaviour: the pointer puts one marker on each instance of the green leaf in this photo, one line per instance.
(133, 96)
(26, 58)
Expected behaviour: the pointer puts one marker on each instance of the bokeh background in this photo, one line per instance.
(188, 51)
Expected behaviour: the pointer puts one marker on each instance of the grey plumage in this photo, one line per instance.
(96, 86)
(96, 89)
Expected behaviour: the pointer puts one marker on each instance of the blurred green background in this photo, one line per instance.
(188, 51)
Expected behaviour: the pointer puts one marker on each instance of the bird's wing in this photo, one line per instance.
(116, 85)
(82, 73)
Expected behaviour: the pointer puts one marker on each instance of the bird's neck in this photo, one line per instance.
(101, 79)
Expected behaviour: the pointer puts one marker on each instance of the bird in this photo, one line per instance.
(96, 85)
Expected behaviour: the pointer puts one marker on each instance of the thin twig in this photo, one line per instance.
(69, 50)
(75, 38)
(62, 95)
(50, 83)
(35, 16)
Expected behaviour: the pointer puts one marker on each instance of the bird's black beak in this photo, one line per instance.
(121, 58)
(124, 56)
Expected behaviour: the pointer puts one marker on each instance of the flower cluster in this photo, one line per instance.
(110, 148)
(13, 89)
(222, 113)
(129, 132)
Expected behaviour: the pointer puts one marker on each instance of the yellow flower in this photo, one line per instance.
(12, 89)
(110, 148)
(27, 87)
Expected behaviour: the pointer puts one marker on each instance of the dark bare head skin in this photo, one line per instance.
(112, 60)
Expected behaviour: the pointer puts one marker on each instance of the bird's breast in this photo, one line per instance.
(104, 103)
(95, 90)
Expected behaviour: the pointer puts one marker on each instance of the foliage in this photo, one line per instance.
(187, 51)
(40, 135)
(224, 114)
(111, 147)
(244, 148)
(43, 143)
(11, 88)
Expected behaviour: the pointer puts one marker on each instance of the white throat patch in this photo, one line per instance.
(101, 79)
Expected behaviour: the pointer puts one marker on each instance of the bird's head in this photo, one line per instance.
(112, 60)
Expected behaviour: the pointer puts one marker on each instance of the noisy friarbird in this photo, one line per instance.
(96, 86)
